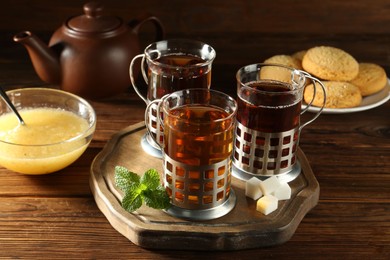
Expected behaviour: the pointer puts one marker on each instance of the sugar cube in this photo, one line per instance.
(267, 204)
(269, 185)
(283, 192)
(252, 188)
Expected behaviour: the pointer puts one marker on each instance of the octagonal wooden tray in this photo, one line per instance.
(242, 228)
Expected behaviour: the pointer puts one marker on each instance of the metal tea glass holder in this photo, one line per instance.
(259, 154)
(199, 193)
(264, 154)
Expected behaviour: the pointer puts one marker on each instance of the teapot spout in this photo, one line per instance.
(44, 59)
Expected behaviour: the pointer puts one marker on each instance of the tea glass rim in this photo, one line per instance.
(206, 62)
(258, 66)
(231, 114)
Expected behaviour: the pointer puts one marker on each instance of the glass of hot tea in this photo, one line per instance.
(169, 66)
(267, 133)
(198, 126)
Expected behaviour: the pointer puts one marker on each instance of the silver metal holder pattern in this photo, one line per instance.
(264, 154)
(285, 177)
(149, 143)
(199, 192)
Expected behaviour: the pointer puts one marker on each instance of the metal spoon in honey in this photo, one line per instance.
(11, 106)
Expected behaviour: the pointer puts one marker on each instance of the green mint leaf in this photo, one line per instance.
(151, 178)
(139, 189)
(157, 199)
(124, 178)
(132, 199)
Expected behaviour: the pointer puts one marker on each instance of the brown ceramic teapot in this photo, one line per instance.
(90, 54)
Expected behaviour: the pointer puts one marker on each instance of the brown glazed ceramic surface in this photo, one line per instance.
(90, 54)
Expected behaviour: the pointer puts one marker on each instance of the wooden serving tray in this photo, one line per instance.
(242, 228)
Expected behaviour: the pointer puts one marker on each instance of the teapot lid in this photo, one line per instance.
(93, 20)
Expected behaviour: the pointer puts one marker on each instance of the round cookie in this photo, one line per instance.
(338, 95)
(330, 63)
(372, 78)
(299, 55)
(282, 74)
(286, 60)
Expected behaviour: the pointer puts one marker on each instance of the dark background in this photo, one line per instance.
(242, 32)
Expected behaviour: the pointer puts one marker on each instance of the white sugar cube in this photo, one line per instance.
(283, 192)
(267, 204)
(252, 188)
(270, 185)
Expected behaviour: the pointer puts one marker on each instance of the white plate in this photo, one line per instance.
(368, 102)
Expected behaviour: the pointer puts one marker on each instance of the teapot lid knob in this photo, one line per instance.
(93, 20)
(93, 9)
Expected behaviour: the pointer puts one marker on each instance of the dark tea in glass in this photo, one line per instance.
(173, 65)
(175, 72)
(268, 106)
(269, 98)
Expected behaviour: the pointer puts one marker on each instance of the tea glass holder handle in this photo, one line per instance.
(132, 78)
(314, 82)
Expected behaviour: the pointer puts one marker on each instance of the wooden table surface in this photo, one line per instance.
(55, 216)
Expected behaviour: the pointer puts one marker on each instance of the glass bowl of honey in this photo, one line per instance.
(58, 128)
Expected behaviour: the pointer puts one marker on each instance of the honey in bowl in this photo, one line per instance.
(48, 142)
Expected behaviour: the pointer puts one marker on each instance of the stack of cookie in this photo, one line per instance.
(346, 81)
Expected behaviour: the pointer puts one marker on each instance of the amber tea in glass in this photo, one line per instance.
(198, 143)
(195, 135)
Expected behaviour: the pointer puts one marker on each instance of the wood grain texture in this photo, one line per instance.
(55, 216)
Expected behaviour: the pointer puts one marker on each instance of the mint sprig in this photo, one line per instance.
(137, 190)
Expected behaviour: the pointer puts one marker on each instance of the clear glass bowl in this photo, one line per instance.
(25, 154)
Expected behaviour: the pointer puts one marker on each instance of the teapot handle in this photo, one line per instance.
(137, 23)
